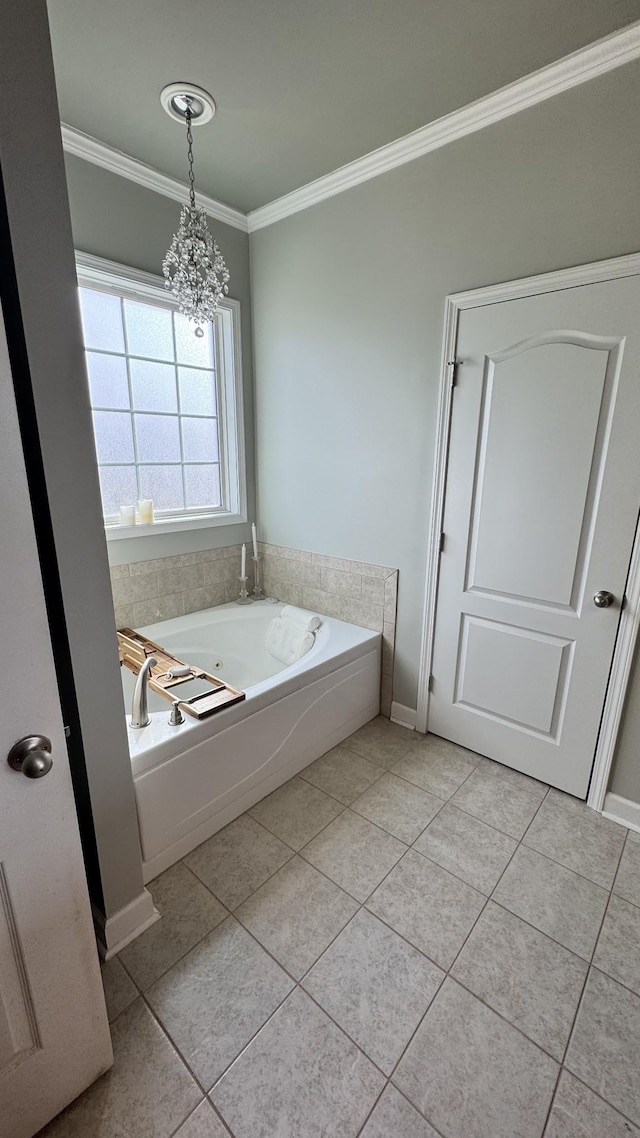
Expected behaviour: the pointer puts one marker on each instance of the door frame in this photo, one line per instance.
(629, 626)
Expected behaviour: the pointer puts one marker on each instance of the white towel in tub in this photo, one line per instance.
(308, 621)
(286, 642)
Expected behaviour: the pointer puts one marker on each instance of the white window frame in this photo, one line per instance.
(108, 276)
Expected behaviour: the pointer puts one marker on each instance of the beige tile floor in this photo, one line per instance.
(405, 941)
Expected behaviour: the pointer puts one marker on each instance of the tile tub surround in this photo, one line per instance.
(148, 591)
(334, 586)
(276, 997)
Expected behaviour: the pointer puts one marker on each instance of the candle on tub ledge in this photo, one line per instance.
(254, 538)
(127, 515)
(243, 563)
(145, 511)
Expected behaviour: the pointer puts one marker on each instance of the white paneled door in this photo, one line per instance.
(542, 498)
(54, 1037)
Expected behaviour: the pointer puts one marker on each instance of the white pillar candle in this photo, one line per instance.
(145, 511)
(243, 570)
(254, 537)
(127, 515)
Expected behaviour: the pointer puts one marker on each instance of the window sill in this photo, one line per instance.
(115, 532)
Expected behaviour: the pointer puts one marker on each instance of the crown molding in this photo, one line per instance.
(92, 150)
(587, 63)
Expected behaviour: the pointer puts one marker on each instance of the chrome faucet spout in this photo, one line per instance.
(139, 711)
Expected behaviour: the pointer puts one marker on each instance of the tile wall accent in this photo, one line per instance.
(334, 586)
(145, 592)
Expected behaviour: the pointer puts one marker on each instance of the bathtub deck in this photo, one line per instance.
(397, 943)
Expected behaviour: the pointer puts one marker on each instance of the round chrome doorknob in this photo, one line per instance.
(603, 599)
(31, 756)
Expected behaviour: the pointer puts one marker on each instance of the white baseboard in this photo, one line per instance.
(622, 810)
(404, 716)
(113, 933)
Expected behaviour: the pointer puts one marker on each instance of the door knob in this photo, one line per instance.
(31, 756)
(603, 599)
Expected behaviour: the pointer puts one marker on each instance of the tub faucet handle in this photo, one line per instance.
(175, 716)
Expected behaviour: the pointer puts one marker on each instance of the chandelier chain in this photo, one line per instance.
(192, 192)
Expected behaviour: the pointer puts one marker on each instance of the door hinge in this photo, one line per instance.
(454, 365)
(430, 684)
(441, 545)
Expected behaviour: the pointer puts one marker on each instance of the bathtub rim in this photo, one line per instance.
(341, 644)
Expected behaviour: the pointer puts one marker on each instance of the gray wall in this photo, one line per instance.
(348, 305)
(33, 174)
(117, 219)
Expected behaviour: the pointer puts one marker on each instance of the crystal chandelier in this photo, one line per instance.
(193, 267)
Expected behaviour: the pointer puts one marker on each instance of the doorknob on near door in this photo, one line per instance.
(31, 756)
(603, 599)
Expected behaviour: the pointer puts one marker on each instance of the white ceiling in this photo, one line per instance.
(302, 86)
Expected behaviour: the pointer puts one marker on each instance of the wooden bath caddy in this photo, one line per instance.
(134, 649)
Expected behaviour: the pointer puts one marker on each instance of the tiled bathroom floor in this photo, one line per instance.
(405, 941)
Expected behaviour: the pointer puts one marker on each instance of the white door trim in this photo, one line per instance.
(630, 617)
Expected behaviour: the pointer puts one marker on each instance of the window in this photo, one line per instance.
(166, 404)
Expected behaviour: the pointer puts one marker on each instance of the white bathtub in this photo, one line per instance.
(193, 779)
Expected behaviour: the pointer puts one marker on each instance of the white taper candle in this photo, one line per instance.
(254, 536)
(243, 570)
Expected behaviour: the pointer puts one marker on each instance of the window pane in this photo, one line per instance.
(157, 438)
(101, 320)
(148, 330)
(114, 442)
(197, 391)
(164, 485)
(118, 486)
(108, 380)
(200, 440)
(192, 349)
(203, 485)
(153, 386)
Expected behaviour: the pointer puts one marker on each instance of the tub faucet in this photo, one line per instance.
(139, 712)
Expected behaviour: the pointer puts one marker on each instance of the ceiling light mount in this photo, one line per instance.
(176, 98)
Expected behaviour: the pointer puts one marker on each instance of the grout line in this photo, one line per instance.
(249, 1042)
(567, 868)
(440, 1133)
(621, 984)
(552, 1099)
(377, 1100)
(590, 963)
(451, 872)
(475, 816)
(273, 833)
(350, 809)
(193, 871)
(182, 956)
(174, 1045)
(218, 1118)
(577, 1078)
(547, 936)
(187, 1119)
(344, 1032)
(301, 775)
